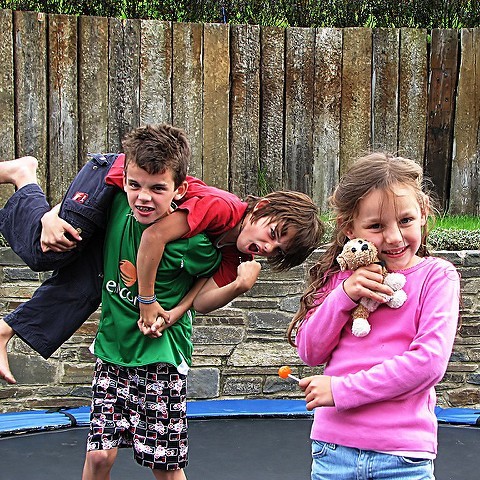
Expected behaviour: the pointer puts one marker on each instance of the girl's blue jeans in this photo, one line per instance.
(334, 462)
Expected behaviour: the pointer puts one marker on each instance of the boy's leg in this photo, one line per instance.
(169, 475)
(84, 206)
(6, 333)
(19, 172)
(62, 303)
(72, 294)
(98, 464)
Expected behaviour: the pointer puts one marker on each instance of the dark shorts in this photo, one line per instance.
(65, 300)
(143, 407)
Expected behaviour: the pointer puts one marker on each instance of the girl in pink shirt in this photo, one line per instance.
(374, 404)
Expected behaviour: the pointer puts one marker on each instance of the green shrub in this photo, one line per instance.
(286, 13)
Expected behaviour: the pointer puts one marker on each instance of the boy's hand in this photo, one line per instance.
(247, 275)
(160, 326)
(367, 282)
(150, 312)
(318, 391)
(55, 231)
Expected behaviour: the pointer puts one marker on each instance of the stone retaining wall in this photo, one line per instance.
(238, 349)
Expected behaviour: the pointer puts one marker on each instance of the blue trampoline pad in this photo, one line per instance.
(229, 440)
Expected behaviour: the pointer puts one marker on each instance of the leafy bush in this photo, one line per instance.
(442, 239)
(286, 13)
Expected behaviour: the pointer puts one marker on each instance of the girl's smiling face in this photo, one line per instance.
(393, 220)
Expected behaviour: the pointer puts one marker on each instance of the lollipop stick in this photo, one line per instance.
(293, 377)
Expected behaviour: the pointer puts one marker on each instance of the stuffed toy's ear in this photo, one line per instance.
(342, 262)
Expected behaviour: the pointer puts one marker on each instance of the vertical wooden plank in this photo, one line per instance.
(386, 44)
(413, 80)
(93, 86)
(245, 109)
(441, 107)
(299, 75)
(465, 188)
(156, 72)
(216, 108)
(272, 90)
(187, 101)
(355, 123)
(124, 79)
(7, 128)
(326, 114)
(31, 88)
(62, 104)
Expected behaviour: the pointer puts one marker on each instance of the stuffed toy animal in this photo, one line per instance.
(360, 253)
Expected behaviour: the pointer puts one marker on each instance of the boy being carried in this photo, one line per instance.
(283, 226)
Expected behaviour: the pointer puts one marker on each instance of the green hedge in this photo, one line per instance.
(286, 13)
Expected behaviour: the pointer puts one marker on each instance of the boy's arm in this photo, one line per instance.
(150, 252)
(211, 296)
(174, 314)
(56, 232)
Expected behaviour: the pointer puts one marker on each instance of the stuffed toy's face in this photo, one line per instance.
(357, 253)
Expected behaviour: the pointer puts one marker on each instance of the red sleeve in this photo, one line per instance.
(115, 174)
(210, 209)
(211, 215)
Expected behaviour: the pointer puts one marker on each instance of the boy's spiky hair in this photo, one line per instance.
(291, 211)
(157, 147)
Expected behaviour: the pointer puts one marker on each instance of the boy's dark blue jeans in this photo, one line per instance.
(64, 301)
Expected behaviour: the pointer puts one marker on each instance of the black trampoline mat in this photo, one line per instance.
(220, 449)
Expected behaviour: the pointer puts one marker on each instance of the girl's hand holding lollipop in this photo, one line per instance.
(286, 372)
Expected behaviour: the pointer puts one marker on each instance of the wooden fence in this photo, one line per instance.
(264, 107)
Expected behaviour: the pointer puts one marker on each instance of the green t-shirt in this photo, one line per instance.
(118, 340)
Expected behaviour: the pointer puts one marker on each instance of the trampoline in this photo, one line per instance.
(229, 440)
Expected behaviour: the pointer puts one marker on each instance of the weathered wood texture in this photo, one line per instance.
(326, 114)
(264, 107)
(413, 82)
(216, 105)
(155, 72)
(299, 98)
(93, 86)
(187, 91)
(7, 102)
(386, 43)
(245, 108)
(62, 104)
(272, 85)
(441, 109)
(465, 189)
(355, 121)
(124, 80)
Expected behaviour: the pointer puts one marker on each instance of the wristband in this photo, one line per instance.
(147, 300)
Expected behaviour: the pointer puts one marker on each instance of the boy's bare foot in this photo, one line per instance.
(6, 333)
(19, 172)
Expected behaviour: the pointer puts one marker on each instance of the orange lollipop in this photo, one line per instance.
(285, 372)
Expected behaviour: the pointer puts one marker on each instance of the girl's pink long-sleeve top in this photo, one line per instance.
(383, 384)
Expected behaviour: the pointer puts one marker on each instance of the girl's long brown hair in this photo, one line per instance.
(374, 171)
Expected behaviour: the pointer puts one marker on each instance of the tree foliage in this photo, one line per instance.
(285, 13)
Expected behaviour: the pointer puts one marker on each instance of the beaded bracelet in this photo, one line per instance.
(147, 300)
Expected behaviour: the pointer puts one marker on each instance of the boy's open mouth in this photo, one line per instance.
(253, 248)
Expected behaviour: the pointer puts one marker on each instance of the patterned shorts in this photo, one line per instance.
(143, 407)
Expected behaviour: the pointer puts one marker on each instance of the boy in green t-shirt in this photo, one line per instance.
(139, 384)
